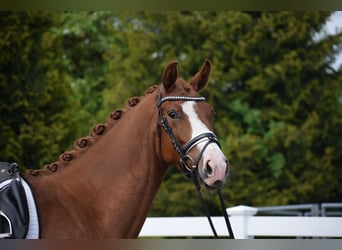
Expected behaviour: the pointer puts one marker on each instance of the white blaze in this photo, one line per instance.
(212, 153)
(197, 126)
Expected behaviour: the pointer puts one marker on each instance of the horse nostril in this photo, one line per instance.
(218, 183)
(208, 170)
(227, 168)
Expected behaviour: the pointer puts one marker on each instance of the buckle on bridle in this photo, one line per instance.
(183, 162)
(207, 138)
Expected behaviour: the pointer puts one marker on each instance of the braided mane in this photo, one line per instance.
(84, 143)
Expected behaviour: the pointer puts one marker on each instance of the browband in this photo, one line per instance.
(178, 98)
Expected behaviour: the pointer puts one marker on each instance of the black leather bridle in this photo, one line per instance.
(210, 137)
(190, 171)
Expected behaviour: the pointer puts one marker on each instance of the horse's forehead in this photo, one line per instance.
(183, 88)
(200, 109)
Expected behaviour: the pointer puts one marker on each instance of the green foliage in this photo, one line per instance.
(276, 96)
(288, 96)
(35, 104)
(85, 38)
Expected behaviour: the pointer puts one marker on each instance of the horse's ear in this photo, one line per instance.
(170, 76)
(200, 80)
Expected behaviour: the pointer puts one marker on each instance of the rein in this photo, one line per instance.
(190, 172)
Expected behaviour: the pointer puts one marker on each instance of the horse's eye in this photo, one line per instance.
(173, 114)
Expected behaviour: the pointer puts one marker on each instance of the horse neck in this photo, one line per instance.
(114, 181)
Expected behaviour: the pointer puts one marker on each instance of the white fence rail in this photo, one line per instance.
(245, 225)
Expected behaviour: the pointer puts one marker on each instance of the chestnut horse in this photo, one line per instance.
(104, 186)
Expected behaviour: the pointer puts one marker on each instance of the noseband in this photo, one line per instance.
(190, 172)
(209, 137)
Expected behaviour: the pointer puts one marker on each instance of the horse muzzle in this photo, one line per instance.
(211, 165)
(213, 168)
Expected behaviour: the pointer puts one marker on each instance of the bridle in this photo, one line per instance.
(190, 171)
(183, 152)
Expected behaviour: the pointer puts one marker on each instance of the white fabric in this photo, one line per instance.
(33, 230)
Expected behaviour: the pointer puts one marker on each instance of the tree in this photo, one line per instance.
(283, 107)
(86, 36)
(275, 94)
(35, 94)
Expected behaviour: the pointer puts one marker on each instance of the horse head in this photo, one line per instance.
(187, 139)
